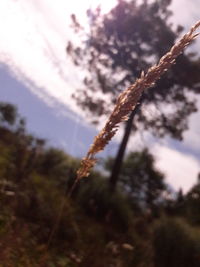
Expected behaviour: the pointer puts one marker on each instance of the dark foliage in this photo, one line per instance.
(140, 179)
(176, 245)
(96, 228)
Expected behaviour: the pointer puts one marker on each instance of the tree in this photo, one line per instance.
(121, 44)
(25, 155)
(8, 113)
(192, 203)
(23, 148)
(140, 178)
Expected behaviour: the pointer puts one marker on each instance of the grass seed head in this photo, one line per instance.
(129, 98)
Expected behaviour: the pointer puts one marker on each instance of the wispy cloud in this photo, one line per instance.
(33, 38)
(35, 50)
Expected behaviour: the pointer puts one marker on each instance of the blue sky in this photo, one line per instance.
(60, 126)
(36, 75)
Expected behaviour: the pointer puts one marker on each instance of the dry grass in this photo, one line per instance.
(128, 100)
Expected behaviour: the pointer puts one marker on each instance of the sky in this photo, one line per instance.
(37, 75)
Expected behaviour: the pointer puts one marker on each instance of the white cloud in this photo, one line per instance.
(24, 48)
(181, 170)
(191, 137)
(185, 12)
(33, 38)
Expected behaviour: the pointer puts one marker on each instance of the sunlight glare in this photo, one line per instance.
(106, 5)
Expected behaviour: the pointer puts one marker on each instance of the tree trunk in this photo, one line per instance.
(121, 151)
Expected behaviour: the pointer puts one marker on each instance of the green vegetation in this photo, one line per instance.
(133, 226)
(176, 244)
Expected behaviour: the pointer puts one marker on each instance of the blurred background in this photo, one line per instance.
(62, 66)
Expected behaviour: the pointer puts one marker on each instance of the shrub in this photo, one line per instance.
(176, 244)
(95, 197)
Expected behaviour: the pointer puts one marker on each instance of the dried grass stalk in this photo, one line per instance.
(128, 100)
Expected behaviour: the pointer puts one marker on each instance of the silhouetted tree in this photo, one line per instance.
(122, 43)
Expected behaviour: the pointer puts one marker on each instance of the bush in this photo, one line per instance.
(95, 197)
(176, 244)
